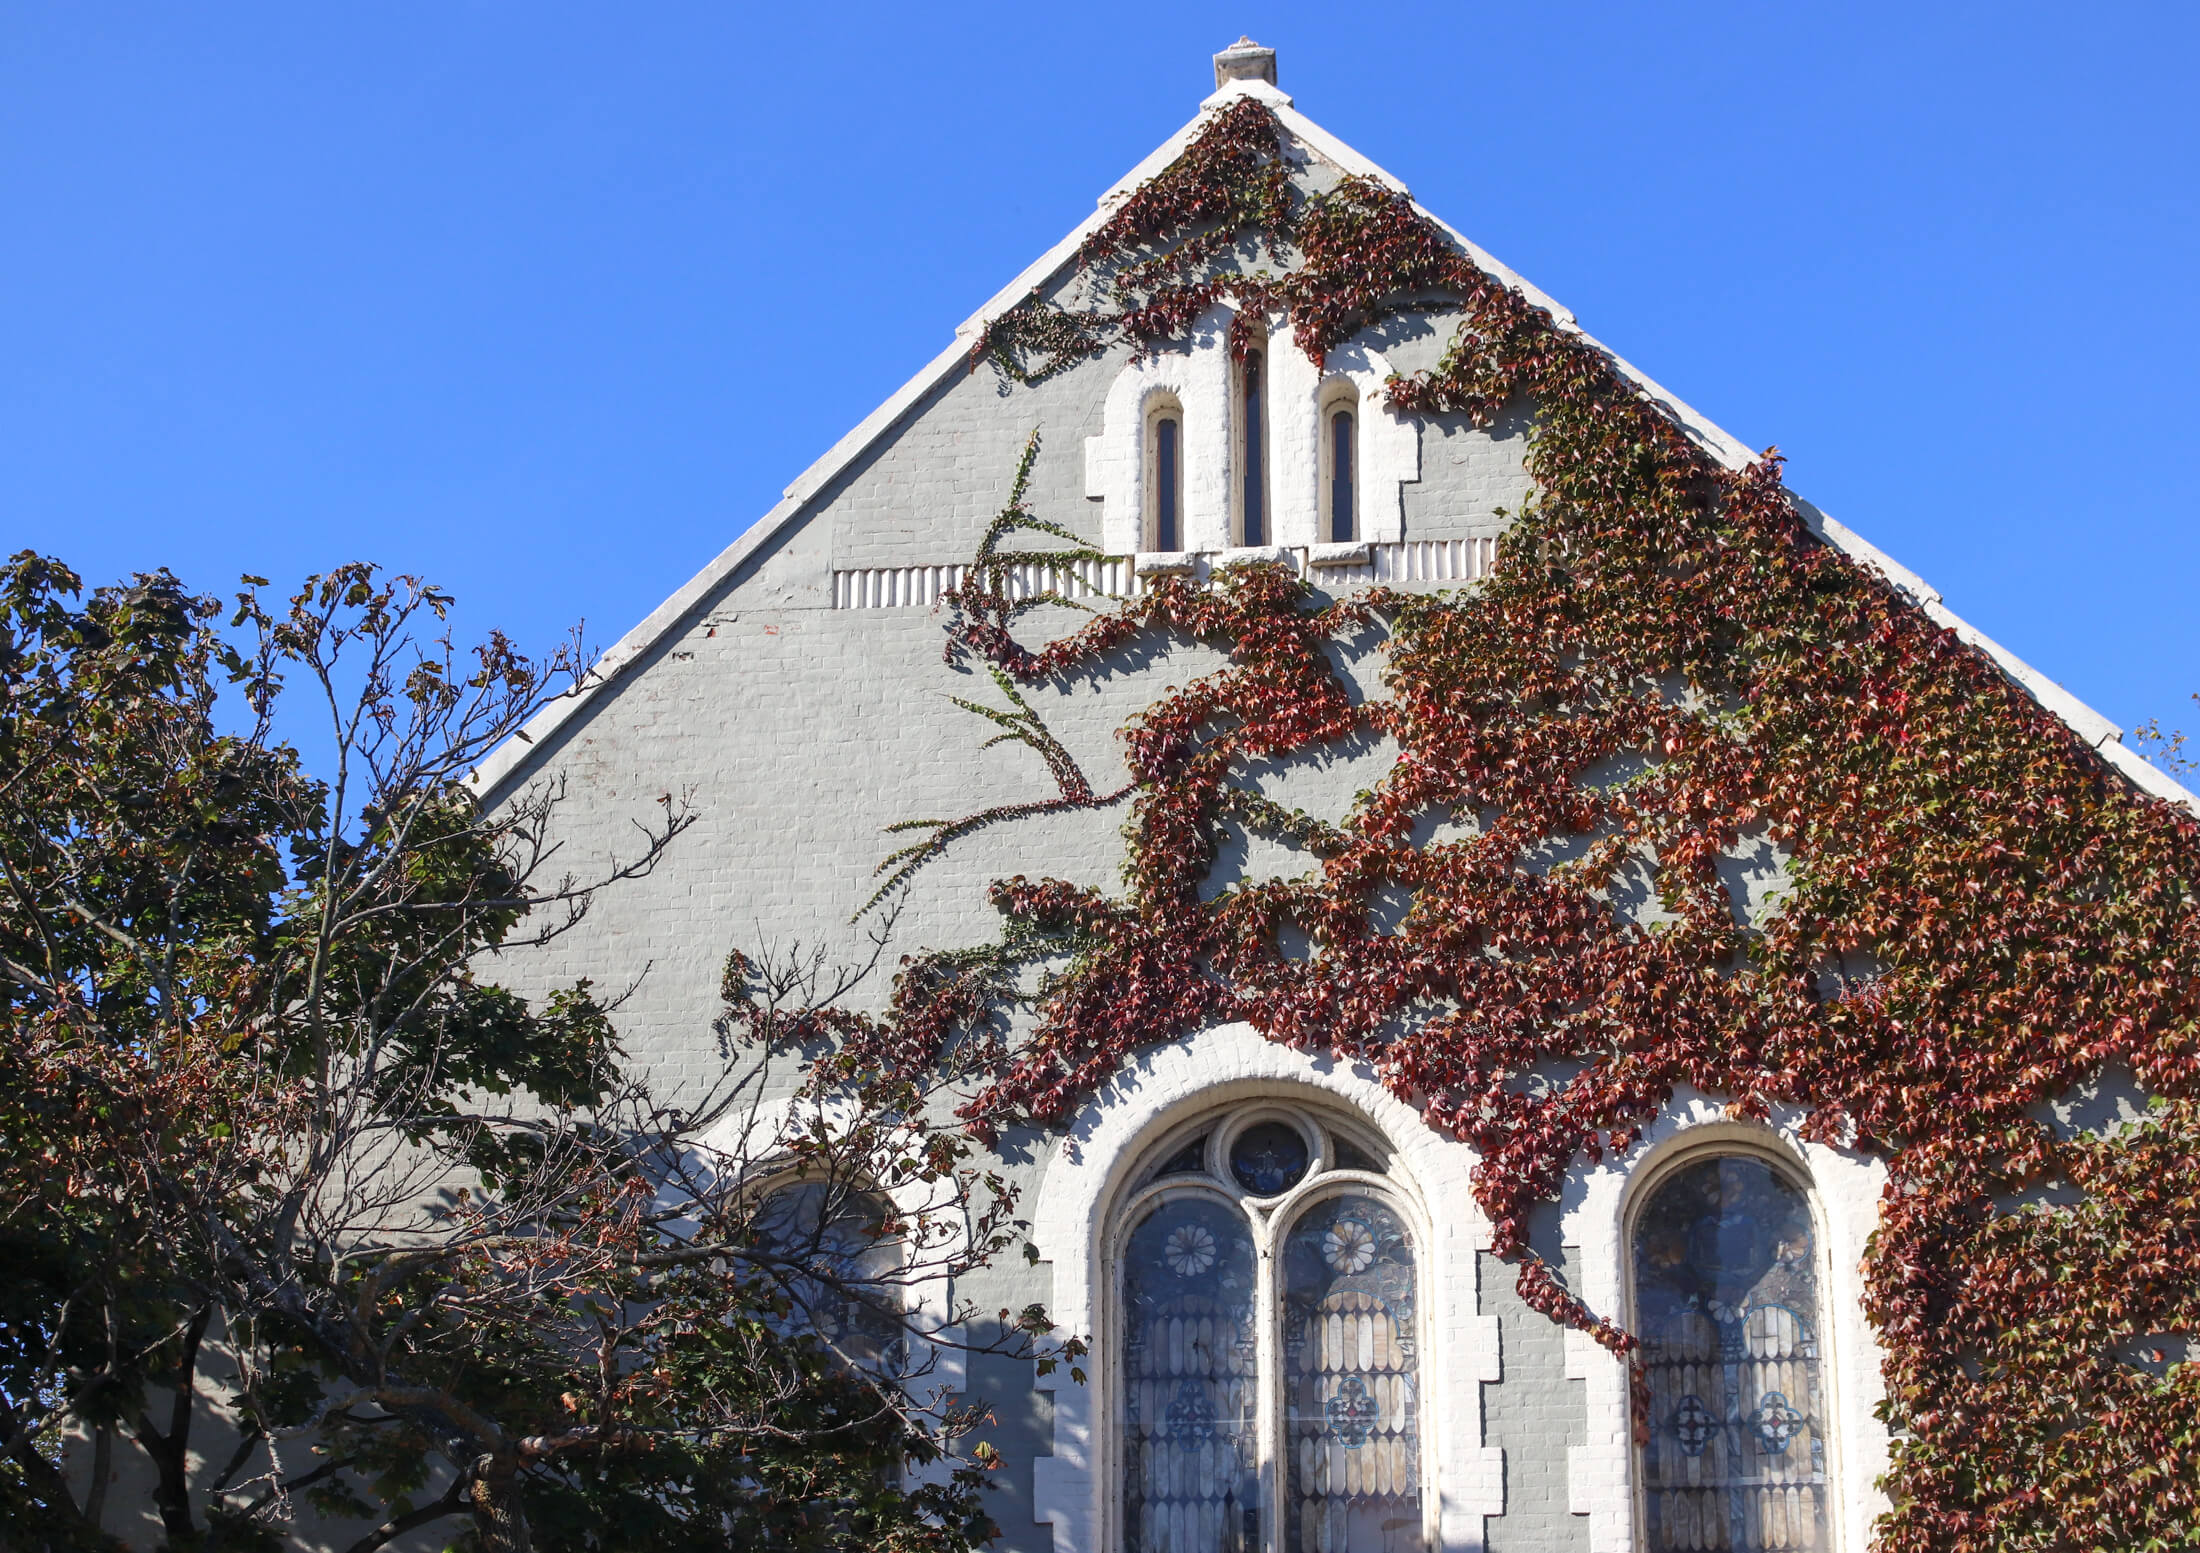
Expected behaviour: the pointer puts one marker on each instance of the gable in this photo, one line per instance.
(913, 497)
(1694, 804)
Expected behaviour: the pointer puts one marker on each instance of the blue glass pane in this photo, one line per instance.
(1340, 476)
(1269, 1158)
(1350, 1156)
(1165, 475)
(1727, 1307)
(1190, 1385)
(1256, 468)
(1190, 1160)
(1352, 1439)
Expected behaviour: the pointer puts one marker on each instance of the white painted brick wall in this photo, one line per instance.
(801, 731)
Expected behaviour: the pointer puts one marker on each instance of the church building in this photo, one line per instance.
(1529, 943)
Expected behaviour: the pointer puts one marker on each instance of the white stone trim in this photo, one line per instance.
(922, 586)
(1245, 86)
(1389, 443)
(1845, 1190)
(1413, 564)
(510, 761)
(1086, 1176)
(1199, 379)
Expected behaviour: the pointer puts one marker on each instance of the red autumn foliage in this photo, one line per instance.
(1980, 916)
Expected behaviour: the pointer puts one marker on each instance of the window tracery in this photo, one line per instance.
(1728, 1309)
(1268, 1311)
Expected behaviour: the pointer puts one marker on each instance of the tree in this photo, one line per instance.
(270, 1140)
(2170, 749)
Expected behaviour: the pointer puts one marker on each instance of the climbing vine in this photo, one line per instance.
(1979, 914)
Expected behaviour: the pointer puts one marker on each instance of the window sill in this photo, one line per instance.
(1167, 563)
(1246, 554)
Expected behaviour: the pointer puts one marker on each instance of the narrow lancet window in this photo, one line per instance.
(1342, 445)
(1727, 1307)
(1191, 1390)
(1164, 476)
(1252, 440)
(1165, 462)
(1351, 1423)
(1337, 445)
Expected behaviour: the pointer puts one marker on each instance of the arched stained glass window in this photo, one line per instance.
(1190, 1382)
(834, 1252)
(1727, 1307)
(1268, 1372)
(1352, 1433)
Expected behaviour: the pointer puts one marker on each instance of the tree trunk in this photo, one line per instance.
(171, 1452)
(103, 1468)
(500, 1519)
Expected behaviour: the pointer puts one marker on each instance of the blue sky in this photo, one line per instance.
(548, 301)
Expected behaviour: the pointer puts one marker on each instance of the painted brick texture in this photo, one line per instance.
(799, 732)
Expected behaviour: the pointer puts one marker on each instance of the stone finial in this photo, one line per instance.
(1245, 60)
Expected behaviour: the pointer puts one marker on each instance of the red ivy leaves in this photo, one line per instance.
(1980, 916)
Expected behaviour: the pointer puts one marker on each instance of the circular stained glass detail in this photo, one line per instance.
(1269, 1158)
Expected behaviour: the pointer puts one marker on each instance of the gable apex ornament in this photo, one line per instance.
(1245, 60)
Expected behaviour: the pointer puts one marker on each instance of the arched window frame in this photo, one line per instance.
(760, 1147)
(1163, 405)
(1270, 1221)
(1091, 1166)
(1252, 444)
(1662, 1162)
(1338, 394)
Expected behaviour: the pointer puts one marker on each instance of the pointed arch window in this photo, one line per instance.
(1727, 1304)
(1267, 1320)
(1164, 459)
(1251, 428)
(1340, 462)
(833, 1251)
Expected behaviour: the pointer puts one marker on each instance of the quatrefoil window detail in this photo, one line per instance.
(1352, 1414)
(1694, 1425)
(1774, 1423)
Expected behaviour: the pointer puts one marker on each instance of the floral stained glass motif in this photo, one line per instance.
(1727, 1307)
(1190, 1381)
(1351, 1383)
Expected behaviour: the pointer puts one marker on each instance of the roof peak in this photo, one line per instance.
(1248, 69)
(1245, 60)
